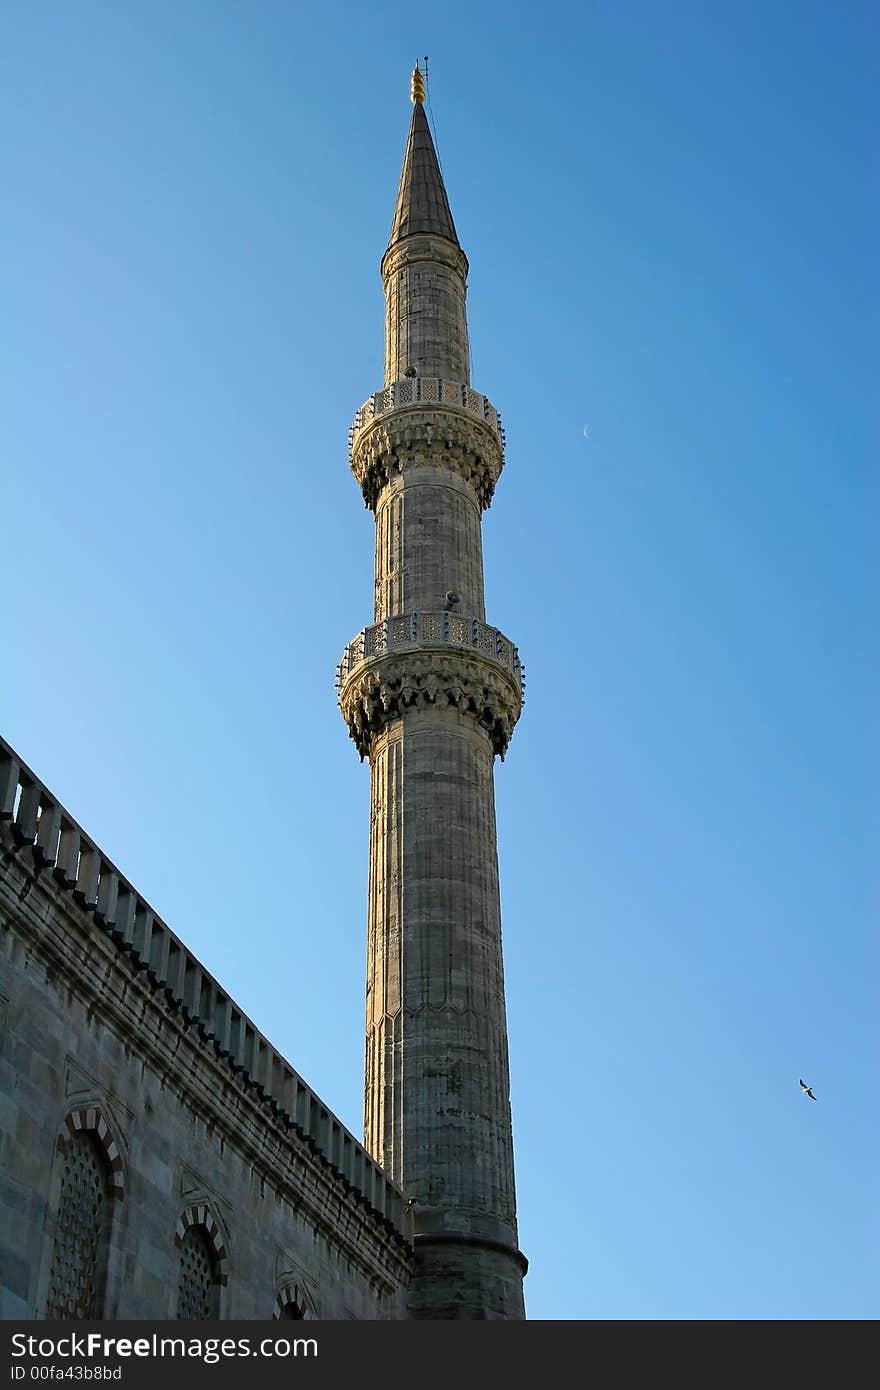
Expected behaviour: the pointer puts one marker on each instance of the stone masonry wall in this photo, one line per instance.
(87, 1039)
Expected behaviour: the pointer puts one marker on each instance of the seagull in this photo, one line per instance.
(807, 1090)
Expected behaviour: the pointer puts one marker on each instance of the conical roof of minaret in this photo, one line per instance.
(422, 205)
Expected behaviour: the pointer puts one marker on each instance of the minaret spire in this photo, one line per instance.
(424, 268)
(431, 693)
(422, 205)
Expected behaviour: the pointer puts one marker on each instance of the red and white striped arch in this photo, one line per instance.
(88, 1119)
(200, 1214)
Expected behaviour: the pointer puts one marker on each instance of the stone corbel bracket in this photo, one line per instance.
(440, 436)
(382, 688)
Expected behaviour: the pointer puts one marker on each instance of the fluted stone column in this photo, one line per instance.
(425, 321)
(428, 543)
(431, 693)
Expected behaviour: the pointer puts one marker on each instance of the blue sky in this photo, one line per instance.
(672, 225)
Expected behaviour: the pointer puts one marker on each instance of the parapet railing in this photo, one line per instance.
(60, 845)
(425, 390)
(415, 630)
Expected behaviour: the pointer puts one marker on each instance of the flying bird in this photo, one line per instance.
(807, 1090)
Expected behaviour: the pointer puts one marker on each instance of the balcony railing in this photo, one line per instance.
(426, 390)
(414, 631)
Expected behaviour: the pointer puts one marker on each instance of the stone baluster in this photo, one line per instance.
(274, 1074)
(257, 1068)
(9, 772)
(192, 986)
(160, 946)
(315, 1112)
(25, 828)
(67, 862)
(48, 832)
(303, 1106)
(223, 1018)
(143, 932)
(86, 888)
(234, 1043)
(108, 895)
(126, 909)
(206, 1005)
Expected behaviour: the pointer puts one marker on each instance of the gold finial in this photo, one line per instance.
(418, 85)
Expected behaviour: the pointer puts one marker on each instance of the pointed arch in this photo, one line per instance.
(90, 1178)
(200, 1215)
(293, 1301)
(92, 1120)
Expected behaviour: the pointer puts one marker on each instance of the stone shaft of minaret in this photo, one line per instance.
(431, 694)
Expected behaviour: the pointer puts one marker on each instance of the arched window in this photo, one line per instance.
(203, 1267)
(290, 1303)
(82, 1231)
(197, 1279)
(288, 1311)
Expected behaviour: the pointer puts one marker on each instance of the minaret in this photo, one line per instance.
(430, 693)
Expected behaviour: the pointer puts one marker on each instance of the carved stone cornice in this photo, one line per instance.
(427, 421)
(383, 687)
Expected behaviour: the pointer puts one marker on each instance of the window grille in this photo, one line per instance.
(81, 1232)
(197, 1282)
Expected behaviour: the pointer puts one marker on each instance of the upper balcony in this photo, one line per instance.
(413, 632)
(425, 391)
